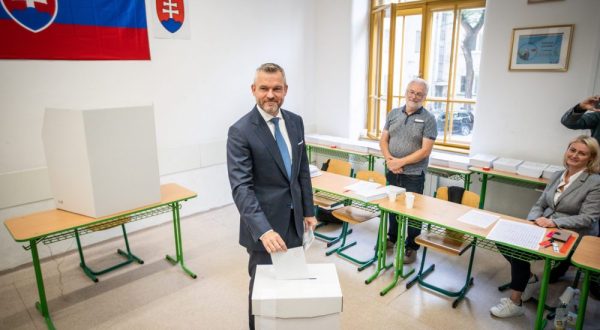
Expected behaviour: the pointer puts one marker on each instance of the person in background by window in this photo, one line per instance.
(569, 201)
(586, 115)
(406, 143)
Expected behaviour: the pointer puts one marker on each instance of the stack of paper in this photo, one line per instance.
(531, 169)
(439, 159)
(314, 171)
(458, 162)
(482, 160)
(507, 164)
(370, 191)
(550, 170)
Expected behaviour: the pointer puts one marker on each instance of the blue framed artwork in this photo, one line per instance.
(543, 48)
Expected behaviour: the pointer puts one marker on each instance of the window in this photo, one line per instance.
(448, 58)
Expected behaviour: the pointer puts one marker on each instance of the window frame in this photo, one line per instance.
(426, 8)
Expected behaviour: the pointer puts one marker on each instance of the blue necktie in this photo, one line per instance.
(283, 150)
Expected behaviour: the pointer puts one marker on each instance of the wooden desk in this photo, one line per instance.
(335, 184)
(587, 258)
(443, 214)
(56, 225)
(506, 177)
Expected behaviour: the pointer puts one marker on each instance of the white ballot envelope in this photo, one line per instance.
(290, 265)
(307, 238)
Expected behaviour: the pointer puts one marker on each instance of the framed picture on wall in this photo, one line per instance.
(544, 48)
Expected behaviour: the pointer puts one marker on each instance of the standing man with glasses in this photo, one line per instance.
(406, 143)
(269, 175)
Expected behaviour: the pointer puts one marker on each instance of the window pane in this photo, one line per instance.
(438, 109)
(440, 51)
(469, 53)
(412, 50)
(461, 125)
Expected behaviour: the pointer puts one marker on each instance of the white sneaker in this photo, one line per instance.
(507, 308)
(532, 287)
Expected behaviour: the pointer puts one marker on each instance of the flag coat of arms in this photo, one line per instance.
(171, 19)
(74, 30)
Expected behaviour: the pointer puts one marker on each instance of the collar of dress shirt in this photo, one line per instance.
(267, 117)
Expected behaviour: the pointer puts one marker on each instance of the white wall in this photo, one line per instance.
(341, 67)
(199, 87)
(519, 113)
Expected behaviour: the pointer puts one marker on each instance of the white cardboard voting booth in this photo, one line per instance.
(102, 161)
(297, 304)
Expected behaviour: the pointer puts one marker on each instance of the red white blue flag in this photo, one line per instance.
(74, 30)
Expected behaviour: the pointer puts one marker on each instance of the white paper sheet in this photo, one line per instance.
(362, 186)
(290, 265)
(478, 218)
(518, 234)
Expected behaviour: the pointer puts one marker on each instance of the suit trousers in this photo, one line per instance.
(412, 183)
(291, 240)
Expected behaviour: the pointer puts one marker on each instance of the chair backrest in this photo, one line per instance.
(371, 176)
(340, 167)
(469, 198)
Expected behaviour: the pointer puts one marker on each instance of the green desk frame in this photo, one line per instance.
(339, 154)
(508, 178)
(48, 238)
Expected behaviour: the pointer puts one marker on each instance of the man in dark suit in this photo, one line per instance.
(268, 174)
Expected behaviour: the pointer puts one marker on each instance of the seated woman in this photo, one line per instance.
(571, 200)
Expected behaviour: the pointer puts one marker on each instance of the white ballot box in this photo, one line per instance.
(102, 161)
(314, 303)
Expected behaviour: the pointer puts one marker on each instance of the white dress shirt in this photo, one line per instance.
(267, 117)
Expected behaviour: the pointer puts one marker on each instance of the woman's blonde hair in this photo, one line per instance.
(593, 164)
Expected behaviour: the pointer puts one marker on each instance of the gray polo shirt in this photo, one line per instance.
(407, 133)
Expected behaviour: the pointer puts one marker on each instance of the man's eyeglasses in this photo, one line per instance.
(417, 94)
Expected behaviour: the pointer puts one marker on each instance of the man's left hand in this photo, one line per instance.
(310, 222)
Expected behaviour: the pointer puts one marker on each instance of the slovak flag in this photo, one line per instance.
(74, 30)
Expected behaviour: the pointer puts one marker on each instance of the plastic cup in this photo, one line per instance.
(409, 200)
(391, 196)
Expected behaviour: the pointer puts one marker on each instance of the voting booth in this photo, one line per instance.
(313, 303)
(102, 161)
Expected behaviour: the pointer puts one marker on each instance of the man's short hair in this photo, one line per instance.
(419, 81)
(271, 68)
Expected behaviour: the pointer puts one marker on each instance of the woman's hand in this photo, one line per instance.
(545, 222)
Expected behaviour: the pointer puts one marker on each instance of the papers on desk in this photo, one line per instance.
(290, 265)
(360, 186)
(478, 218)
(314, 171)
(371, 192)
(517, 234)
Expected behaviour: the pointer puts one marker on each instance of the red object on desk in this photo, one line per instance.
(567, 244)
(486, 168)
(333, 147)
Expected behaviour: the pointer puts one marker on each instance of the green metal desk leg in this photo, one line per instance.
(178, 244)
(42, 305)
(371, 163)
(399, 260)
(539, 320)
(381, 247)
(585, 290)
(484, 178)
(467, 181)
(309, 152)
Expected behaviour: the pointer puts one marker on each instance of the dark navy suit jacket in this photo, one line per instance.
(261, 189)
